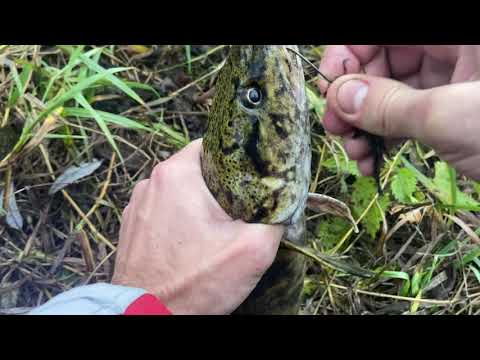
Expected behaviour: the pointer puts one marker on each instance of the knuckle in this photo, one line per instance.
(427, 109)
(139, 189)
(387, 110)
(159, 172)
(166, 171)
(125, 213)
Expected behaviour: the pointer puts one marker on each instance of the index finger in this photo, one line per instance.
(337, 59)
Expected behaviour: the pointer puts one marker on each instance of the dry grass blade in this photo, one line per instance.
(74, 205)
(86, 250)
(176, 92)
(396, 297)
(329, 261)
(102, 194)
(465, 227)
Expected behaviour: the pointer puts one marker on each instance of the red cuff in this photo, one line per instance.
(147, 304)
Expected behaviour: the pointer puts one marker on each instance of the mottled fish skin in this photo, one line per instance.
(256, 160)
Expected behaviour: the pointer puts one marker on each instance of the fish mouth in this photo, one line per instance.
(292, 214)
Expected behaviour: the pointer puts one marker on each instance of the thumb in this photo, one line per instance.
(380, 106)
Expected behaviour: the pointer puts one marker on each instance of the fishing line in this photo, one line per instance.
(312, 65)
(376, 143)
(318, 70)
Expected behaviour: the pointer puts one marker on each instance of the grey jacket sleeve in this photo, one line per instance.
(96, 299)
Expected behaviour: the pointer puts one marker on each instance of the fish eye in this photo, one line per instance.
(252, 97)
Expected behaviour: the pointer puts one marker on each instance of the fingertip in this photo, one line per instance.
(322, 86)
(364, 53)
(366, 166)
(338, 60)
(334, 125)
(357, 149)
(126, 212)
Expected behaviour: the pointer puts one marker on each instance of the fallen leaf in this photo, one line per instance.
(13, 217)
(414, 216)
(322, 203)
(74, 173)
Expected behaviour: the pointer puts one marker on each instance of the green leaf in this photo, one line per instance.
(343, 185)
(419, 196)
(109, 117)
(443, 182)
(65, 137)
(476, 186)
(399, 275)
(405, 288)
(16, 77)
(416, 280)
(452, 176)
(428, 277)
(125, 122)
(448, 190)
(315, 102)
(188, 54)
(396, 275)
(448, 250)
(137, 85)
(403, 185)
(101, 123)
(364, 190)
(309, 287)
(470, 256)
(442, 187)
(476, 272)
(344, 166)
(66, 71)
(78, 88)
(344, 266)
(333, 262)
(21, 82)
(167, 130)
(111, 78)
(331, 230)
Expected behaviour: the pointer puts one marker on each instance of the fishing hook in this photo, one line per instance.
(376, 143)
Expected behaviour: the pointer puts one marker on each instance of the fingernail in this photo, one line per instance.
(351, 96)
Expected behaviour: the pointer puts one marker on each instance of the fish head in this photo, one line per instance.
(257, 154)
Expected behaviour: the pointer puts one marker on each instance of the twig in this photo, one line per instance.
(103, 191)
(100, 264)
(396, 297)
(175, 93)
(74, 205)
